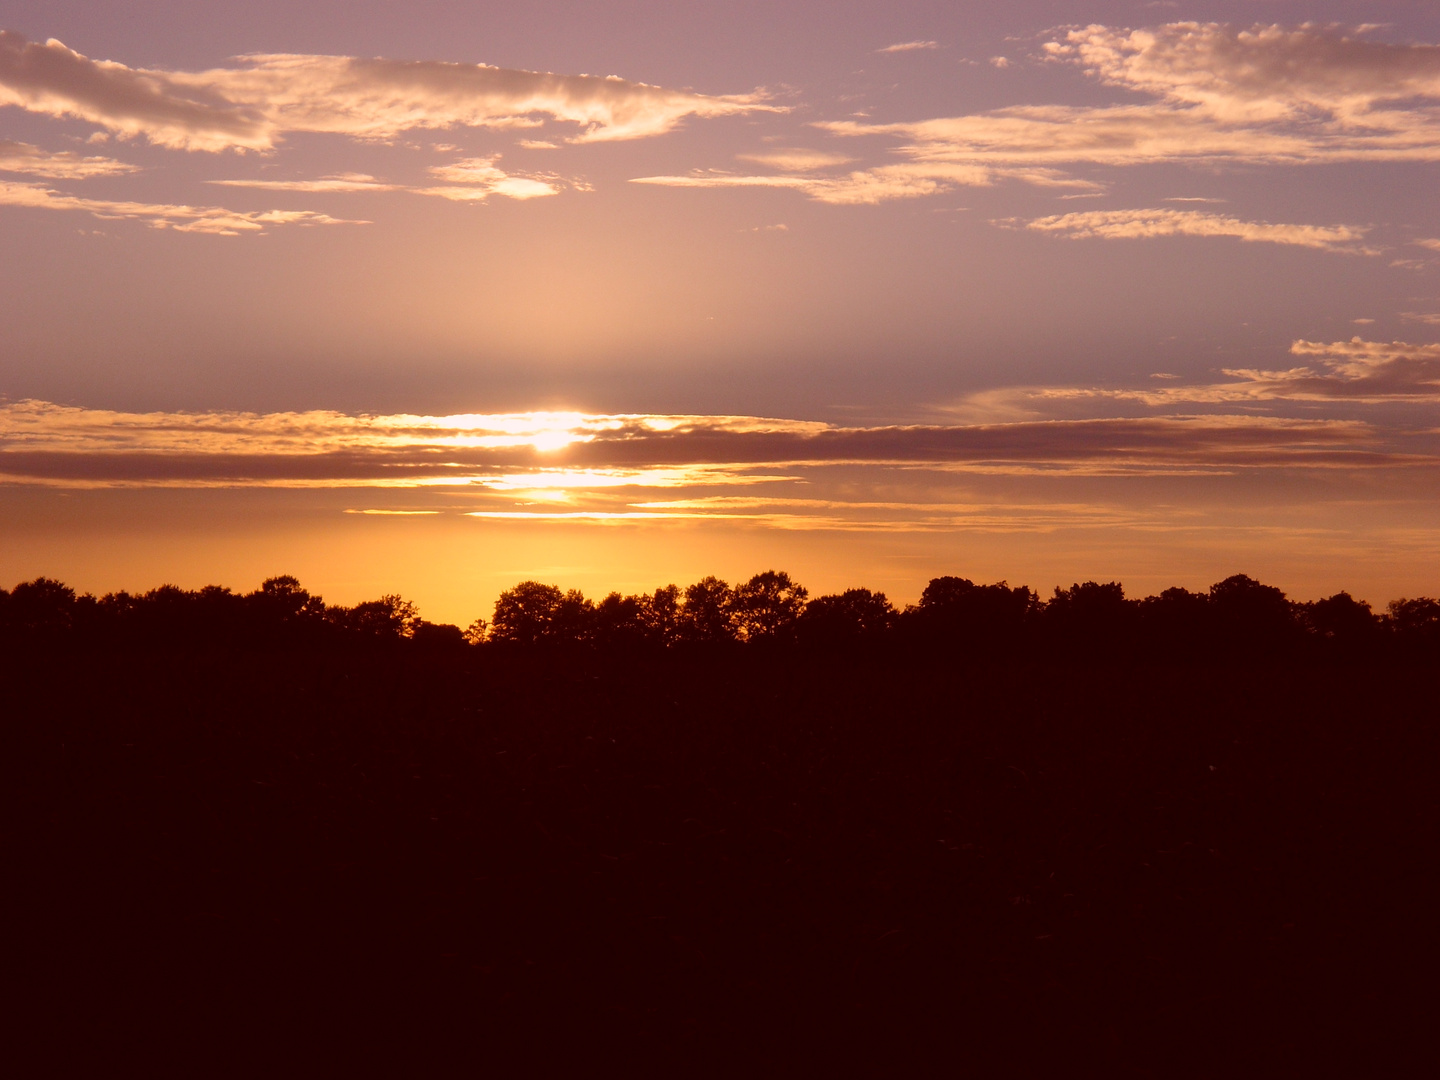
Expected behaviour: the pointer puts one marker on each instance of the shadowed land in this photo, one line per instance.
(1179, 836)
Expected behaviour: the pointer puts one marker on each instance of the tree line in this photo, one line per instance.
(768, 610)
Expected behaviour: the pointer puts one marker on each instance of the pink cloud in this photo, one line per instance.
(254, 105)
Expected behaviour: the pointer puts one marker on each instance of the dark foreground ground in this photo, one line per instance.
(730, 862)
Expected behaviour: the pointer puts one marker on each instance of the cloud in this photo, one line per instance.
(1216, 95)
(552, 455)
(1319, 80)
(470, 180)
(254, 105)
(483, 178)
(870, 186)
(338, 182)
(19, 157)
(909, 46)
(1137, 224)
(199, 219)
(798, 160)
(1354, 371)
(866, 186)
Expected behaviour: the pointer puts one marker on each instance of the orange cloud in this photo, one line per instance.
(552, 455)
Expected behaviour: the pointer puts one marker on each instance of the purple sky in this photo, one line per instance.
(870, 292)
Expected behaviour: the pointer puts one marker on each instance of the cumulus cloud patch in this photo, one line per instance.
(196, 219)
(481, 178)
(1217, 94)
(255, 104)
(1141, 224)
(1324, 83)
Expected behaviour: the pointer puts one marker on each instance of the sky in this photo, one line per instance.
(431, 298)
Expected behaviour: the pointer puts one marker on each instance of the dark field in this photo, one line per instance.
(727, 858)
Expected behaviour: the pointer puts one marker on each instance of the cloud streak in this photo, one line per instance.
(1143, 224)
(561, 452)
(215, 220)
(468, 180)
(19, 157)
(255, 104)
(1355, 371)
(910, 46)
(871, 186)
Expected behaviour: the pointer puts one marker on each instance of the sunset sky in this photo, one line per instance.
(430, 298)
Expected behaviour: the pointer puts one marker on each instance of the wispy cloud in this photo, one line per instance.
(552, 455)
(795, 160)
(1354, 371)
(19, 157)
(865, 186)
(338, 182)
(467, 180)
(1140, 224)
(909, 46)
(253, 106)
(197, 219)
(877, 185)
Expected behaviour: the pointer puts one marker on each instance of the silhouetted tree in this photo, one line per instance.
(526, 614)
(767, 605)
(575, 619)
(620, 621)
(856, 615)
(1252, 616)
(1178, 623)
(661, 612)
(437, 635)
(708, 612)
(1092, 617)
(956, 611)
(43, 606)
(1343, 620)
(389, 618)
(1417, 621)
(286, 598)
(532, 613)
